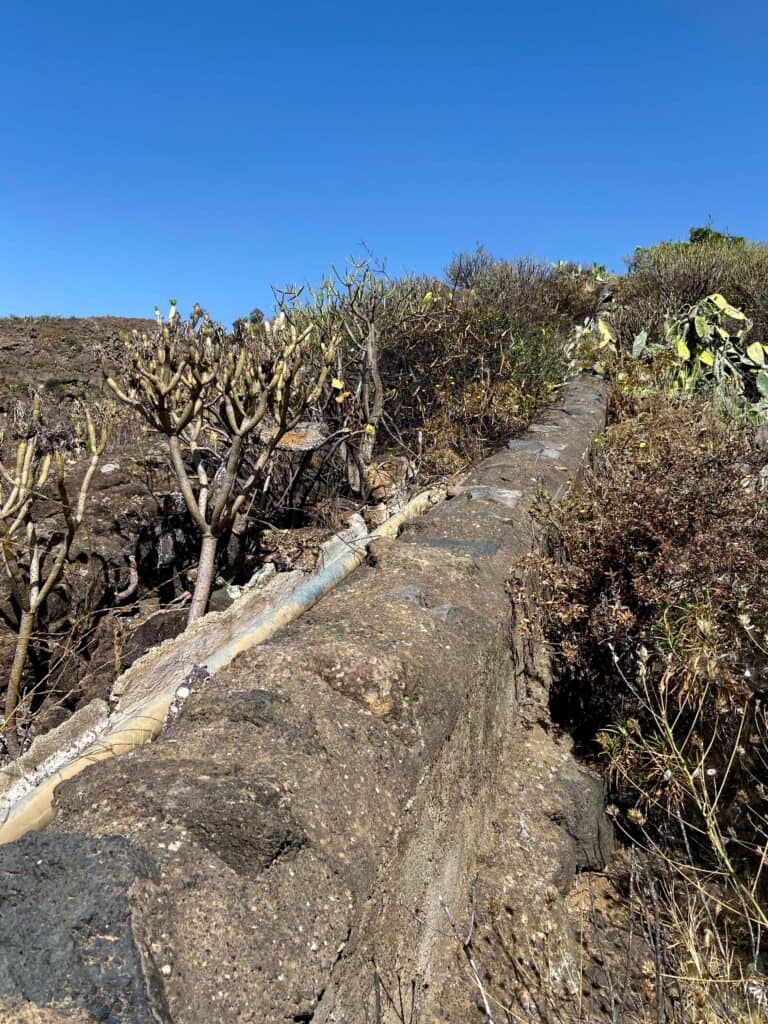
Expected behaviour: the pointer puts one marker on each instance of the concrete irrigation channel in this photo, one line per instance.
(165, 677)
(327, 798)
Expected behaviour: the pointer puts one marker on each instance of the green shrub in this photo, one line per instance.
(706, 346)
(470, 366)
(665, 278)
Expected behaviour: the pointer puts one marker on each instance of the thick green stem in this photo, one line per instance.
(177, 460)
(206, 568)
(13, 695)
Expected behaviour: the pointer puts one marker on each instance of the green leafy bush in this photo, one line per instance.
(663, 279)
(705, 344)
(470, 366)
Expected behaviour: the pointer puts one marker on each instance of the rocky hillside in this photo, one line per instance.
(58, 353)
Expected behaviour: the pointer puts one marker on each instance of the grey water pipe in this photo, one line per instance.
(34, 809)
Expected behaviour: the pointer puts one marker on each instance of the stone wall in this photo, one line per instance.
(296, 843)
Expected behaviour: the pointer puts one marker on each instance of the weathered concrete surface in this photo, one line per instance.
(307, 812)
(79, 729)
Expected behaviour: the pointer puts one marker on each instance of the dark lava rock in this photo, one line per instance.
(236, 814)
(80, 943)
(582, 817)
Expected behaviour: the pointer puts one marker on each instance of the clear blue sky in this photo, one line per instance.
(207, 150)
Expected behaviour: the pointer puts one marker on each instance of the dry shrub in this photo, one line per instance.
(658, 609)
(468, 367)
(660, 574)
(440, 372)
(662, 515)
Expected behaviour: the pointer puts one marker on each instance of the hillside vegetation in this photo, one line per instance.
(353, 395)
(147, 464)
(658, 615)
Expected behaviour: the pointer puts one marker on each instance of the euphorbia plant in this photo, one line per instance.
(212, 395)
